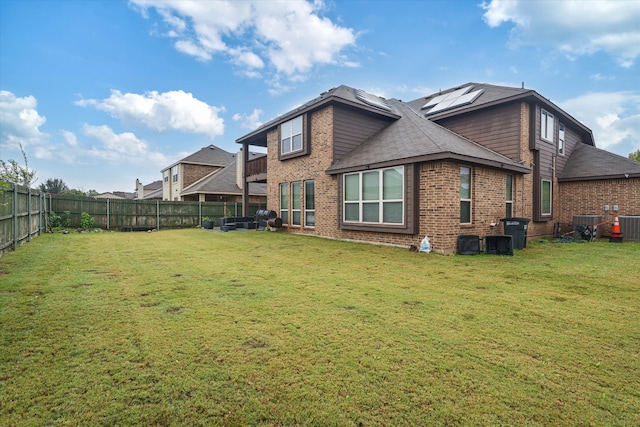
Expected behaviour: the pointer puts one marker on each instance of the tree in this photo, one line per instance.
(635, 155)
(11, 171)
(54, 186)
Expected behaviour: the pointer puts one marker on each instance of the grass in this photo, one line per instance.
(191, 327)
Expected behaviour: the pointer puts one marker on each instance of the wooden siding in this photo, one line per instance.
(351, 127)
(495, 128)
(571, 140)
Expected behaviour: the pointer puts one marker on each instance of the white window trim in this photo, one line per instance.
(470, 199)
(380, 200)
(547, 125)
(561, 138)
(291, 201)
(509, 201)
(285, 218)
(305, 210)
(288, 128)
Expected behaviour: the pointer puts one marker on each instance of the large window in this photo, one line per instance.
(546, 197)
(291, 136)
(509, 197)
(165, 175)
(284, 203)
(295, 203)
(465, 195)
(175, 174)
(309, 204)
(561, 139)
(546, 126)
(374, 197)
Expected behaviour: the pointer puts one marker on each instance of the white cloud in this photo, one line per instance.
(251, 121)
(70, 138)
(20, 121)
(614, 118)
(174, 110)
(123, 147)
(290, 36)
(573, 28)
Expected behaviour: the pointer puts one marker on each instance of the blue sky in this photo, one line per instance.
(100, 93)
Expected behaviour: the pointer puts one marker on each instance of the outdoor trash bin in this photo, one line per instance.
(517, 228)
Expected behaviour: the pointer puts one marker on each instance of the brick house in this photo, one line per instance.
(210, 174)
(351, 165)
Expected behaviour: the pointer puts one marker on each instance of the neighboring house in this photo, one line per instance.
(351, 165)
(115, 195)
(151, 191)
(210, 174)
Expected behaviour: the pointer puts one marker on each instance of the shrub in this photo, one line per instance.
(86, 220)
(66, 219)
(55, 221)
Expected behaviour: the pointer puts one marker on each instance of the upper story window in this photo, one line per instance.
(374, 197)
(165, 175)
(561, 139)
(291, 136)
(546, 126)
(175, 174)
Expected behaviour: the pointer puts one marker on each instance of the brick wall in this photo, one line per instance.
(590, 197)
(192, 173)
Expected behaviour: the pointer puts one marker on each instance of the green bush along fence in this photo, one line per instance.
(22, 216)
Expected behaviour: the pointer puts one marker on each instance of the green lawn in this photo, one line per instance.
(192, 327)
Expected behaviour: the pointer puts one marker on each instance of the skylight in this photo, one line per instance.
(374, 101)
(451, 100)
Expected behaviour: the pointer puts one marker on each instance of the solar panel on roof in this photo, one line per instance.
(372, 100)
(447, 96)
(454, 99)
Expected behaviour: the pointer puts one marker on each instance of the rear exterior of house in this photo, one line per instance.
(350, 165)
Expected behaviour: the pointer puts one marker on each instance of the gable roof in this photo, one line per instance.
(493, 95)
(154, 185)
(210, 155)
(223, 181)
(413, 138)
(344, 95)
(590, 163)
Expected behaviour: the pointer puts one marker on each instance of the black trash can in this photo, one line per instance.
(517, 228)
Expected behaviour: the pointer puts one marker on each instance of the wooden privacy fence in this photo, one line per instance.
(22, 216)
(117, 214)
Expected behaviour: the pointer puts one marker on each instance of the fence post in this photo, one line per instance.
(29, 214)
(15, 216)
(158, 215)
(199, 212)
(107, 214)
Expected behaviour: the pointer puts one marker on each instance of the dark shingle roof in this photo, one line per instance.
(154, 185)
(591, 163)
(342, 94)
(210, 155)
(414, 138)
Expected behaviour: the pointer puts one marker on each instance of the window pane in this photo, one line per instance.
(392, 184)
(465, 183)
(546, 197)
(351, 187)
(286, 145)
(295, 195)
(509, 211)
(465, 212)
(370, 186)
(297, 143)
(310, 219)
(509, 195)
(371, 212)
(392, 212)
(352, 212)
(284, 196)
(309, 195)
(295, 216)
(284, 215)
(296, 125)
